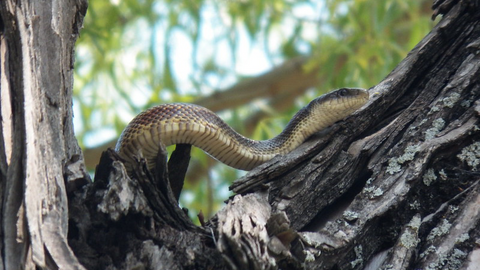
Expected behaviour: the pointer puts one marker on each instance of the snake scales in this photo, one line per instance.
(192, 124)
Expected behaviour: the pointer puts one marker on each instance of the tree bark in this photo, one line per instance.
(39, 153)
(395, 186)
(398, 181)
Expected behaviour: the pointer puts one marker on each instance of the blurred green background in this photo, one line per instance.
(253, 62)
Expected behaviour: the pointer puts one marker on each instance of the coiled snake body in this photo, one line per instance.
(192, 124)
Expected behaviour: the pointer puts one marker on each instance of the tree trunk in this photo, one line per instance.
(38, 150)
(395, 186)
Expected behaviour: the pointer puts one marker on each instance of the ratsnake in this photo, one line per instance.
(181, 123)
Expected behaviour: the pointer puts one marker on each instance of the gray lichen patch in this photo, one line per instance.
(373, 192)
(415, 222)
(442, 229)
(377, 192)
(451, 100)
(437, 126)
(409, 154)
(448, 102)
(466, 103)
(359, 257)
(409, 238)
(429, 250)
(429, 177)
(434, 109)
(462, 238)
(394, 164)
(471, 155)
(454, 260)
(369, 189)
(414, 128)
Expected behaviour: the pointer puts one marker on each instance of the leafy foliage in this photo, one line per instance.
(136, 54)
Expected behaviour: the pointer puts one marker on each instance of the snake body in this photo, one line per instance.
(180, 123)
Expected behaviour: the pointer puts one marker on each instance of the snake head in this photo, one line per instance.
(342, 101)
(334, 106)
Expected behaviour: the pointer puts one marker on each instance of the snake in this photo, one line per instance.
(183, 123)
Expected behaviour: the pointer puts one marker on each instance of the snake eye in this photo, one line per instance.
(343, 92)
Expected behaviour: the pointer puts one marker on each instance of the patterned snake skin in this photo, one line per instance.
(192, 124)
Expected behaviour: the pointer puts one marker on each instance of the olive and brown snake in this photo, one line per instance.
(180, 123)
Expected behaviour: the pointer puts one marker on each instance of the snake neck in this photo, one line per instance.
(290, 138)
(303, 124)
(243, 153)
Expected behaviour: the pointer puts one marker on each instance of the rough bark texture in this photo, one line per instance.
(39, 151)
(400, 178)
(395, 186)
